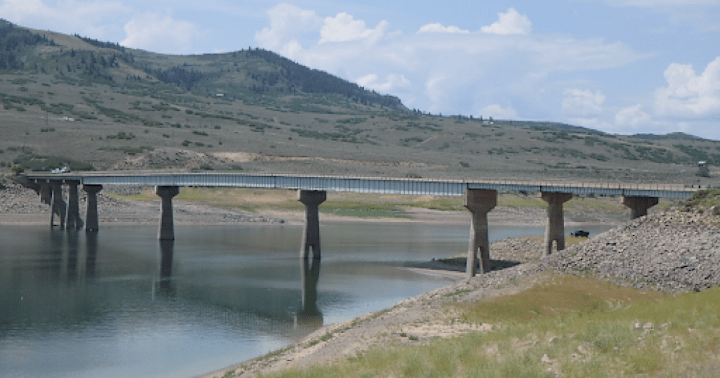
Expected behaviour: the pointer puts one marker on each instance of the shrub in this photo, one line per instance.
(17, 169)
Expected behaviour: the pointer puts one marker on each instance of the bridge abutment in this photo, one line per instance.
(555, 231)
(167, 229)
(311, 234)
(479, 203)
(91, 217)
(639, 205)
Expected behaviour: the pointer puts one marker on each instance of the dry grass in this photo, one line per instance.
(567, 326)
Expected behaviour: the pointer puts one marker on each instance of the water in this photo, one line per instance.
(122, 304)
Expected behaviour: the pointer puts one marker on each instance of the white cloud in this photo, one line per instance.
(19, 10)
(688, 94)
(511, 22)
(88, 18)
(582, 102)
(344, 27)
(393, 82)
(440, 28)
(632, 118)
(498, 111)
(450, 73)
(286, 23)
(160, 34)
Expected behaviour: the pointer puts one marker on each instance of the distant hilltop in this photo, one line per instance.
(232, 75)
(71, 101)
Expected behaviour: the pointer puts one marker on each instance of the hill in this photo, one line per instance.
(70, 100)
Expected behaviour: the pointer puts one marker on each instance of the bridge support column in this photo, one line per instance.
(167, 230)
(91, 217)
(479, 202)
(73, 214)
(639, 205)
(58, 204)
(555, 231)
(45, 193)
(311, 234)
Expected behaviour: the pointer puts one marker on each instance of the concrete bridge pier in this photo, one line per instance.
(311, 234)
(639, 205)
(167, 230)
(58, 204)
(45, 193)
(91, 217)
(73, 215)
(479, 202)
(555, 231)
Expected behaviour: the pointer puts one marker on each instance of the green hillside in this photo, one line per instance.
(98, 105)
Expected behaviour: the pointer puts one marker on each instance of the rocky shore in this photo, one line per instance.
(670, 251)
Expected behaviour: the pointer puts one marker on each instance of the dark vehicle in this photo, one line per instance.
(580, 233)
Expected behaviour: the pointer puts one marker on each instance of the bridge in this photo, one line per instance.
(480, 197)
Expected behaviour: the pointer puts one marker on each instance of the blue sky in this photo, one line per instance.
(620, 66)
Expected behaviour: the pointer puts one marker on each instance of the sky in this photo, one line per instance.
(619, 66)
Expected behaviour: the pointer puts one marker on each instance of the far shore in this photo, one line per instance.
(132, 212)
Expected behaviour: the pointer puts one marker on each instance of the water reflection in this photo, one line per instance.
(166, 284)
(72, 256)
(90, 253)
(310, 315)
(105, 304)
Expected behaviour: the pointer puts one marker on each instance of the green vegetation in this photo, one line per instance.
(256, 102)
(128, 149)
(35, 162)
(122, 136)
(566, 325)
(702, 201)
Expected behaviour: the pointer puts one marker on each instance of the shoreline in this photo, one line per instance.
(26, 209)
(23, 206)
(422, 316)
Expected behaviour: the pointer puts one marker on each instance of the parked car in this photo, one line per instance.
(580, 233)
(61, 170)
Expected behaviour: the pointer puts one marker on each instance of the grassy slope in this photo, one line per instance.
(568, 325)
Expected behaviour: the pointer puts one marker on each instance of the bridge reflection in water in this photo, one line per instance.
(67, 266)
(480, 197)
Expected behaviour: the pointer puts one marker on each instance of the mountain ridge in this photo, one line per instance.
(70, 98)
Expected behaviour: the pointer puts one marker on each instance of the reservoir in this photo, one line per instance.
(120, 303)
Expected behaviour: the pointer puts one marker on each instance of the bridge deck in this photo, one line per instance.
(369, 184)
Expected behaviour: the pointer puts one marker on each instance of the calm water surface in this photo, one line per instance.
(122, 304)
